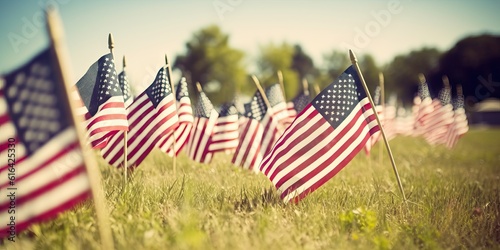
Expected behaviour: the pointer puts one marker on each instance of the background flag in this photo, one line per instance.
(421, 107)
(324, 137)
(128, 98)
(38, 146)
(185, 114)
(248, 154)
(203, 128)
(437, 122)
(296, 106)
(380, 112)
(102, 102)
(151, 116)
(460, 125)
(225, 136)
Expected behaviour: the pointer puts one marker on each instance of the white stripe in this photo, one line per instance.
(49, 200)
(320, 161)
(57, 144)
(206, 136)
(302, 130)
(294, 148)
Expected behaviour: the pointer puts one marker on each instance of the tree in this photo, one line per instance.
(210, 60)
(370, 72)
(278, 57)
(303, 63)
(474, 62)
(401, 75)
(337, 62)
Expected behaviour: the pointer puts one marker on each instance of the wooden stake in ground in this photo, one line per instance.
(56, 35)
(305, 86)
(280, 80)
(111, 45)
(382, 102)
(316, 88)
(174, 159)
(354, 62)
(125, 135)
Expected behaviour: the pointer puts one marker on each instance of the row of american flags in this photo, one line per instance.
(299, 145)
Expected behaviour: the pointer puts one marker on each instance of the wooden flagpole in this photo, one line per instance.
(174, 158)
(446, 81)
(259, 87)
(55, 31)
(305, 86)
(382, 102)
(111, 45)
(354, 62)
(316, 88)
(125, 138)
(280, 80)
(198, 87)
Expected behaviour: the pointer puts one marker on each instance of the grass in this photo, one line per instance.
(454, 204)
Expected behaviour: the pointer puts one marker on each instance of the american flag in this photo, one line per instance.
(296, 106)
(248, 154)
(324, 137)
(185, 114)
(459, 126)
(380, 112)
(42, 168)
(276, 98)
(128, 98)
(151, 116)
(225, 137)
(436, 123)
(204, 124)
(422, 108)
(102, 102)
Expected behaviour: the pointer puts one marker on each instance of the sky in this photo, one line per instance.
(145, 30)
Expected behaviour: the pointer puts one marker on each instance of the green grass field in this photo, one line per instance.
(454, 204)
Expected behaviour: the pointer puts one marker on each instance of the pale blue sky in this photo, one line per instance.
(145, 30)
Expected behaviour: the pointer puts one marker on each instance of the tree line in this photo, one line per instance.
(474, 62)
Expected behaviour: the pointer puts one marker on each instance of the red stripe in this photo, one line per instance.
(200, 136)
(293, 130)
(100, 118)
(20, 200)
(56, 156)
(243, 135)
(22, 225)
(330, 174)
(300, 152)
(4, 119)
(133, 136)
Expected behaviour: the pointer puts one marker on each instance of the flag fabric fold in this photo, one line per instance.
(296, 106)
(205, 120)
(422, 108)
(128, 98)
(42, 169)
(225, 137)
(185, 114)
(437, 122)
(460, 124)
(322, 140)
(151, 116)
(101, 102)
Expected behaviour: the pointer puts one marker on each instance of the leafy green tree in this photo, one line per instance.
(370, 72)
(401, 75)
(474, 62)
(210, 60)
(337, 61)
(278, 57)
